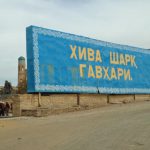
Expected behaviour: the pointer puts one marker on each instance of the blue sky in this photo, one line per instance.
(118, 21)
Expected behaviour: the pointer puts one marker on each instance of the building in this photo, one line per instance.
(22, 78)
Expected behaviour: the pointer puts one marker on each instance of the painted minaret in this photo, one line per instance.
(22, 78)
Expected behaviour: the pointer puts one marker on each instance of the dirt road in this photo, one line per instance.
(116, 127)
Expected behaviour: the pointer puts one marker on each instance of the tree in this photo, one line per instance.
(7, 87)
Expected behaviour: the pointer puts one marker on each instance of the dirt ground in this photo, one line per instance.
(115, 127)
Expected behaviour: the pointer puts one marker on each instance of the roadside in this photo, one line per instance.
(115, 127)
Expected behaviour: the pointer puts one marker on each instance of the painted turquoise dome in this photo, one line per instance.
(21, 58)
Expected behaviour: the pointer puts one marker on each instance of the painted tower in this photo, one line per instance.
(22, 78)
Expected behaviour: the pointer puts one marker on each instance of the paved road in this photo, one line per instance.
(116, 127)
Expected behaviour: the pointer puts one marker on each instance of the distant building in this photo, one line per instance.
(1, 90)
(22, 78)
(14, 90)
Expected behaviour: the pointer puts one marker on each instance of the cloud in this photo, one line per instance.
(124, 22)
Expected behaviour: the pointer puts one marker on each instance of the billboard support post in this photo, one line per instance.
(39, 99)
(78, 100)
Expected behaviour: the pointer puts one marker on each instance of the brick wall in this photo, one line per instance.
(92, 100)
(142, 97)
(121, 98)
(56, 103)
(59, 100)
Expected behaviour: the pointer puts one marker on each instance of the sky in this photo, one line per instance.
(118, 21)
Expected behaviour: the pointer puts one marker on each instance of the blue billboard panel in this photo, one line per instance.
(66, 63)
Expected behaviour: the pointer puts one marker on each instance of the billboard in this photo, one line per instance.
(66, 63)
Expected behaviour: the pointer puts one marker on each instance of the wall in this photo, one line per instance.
(56, 103)
(121, 99)
(27, 104)
(142, 97)
(92, 100)
(59, 100)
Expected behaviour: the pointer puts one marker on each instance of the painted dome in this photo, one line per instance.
(21, 58)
